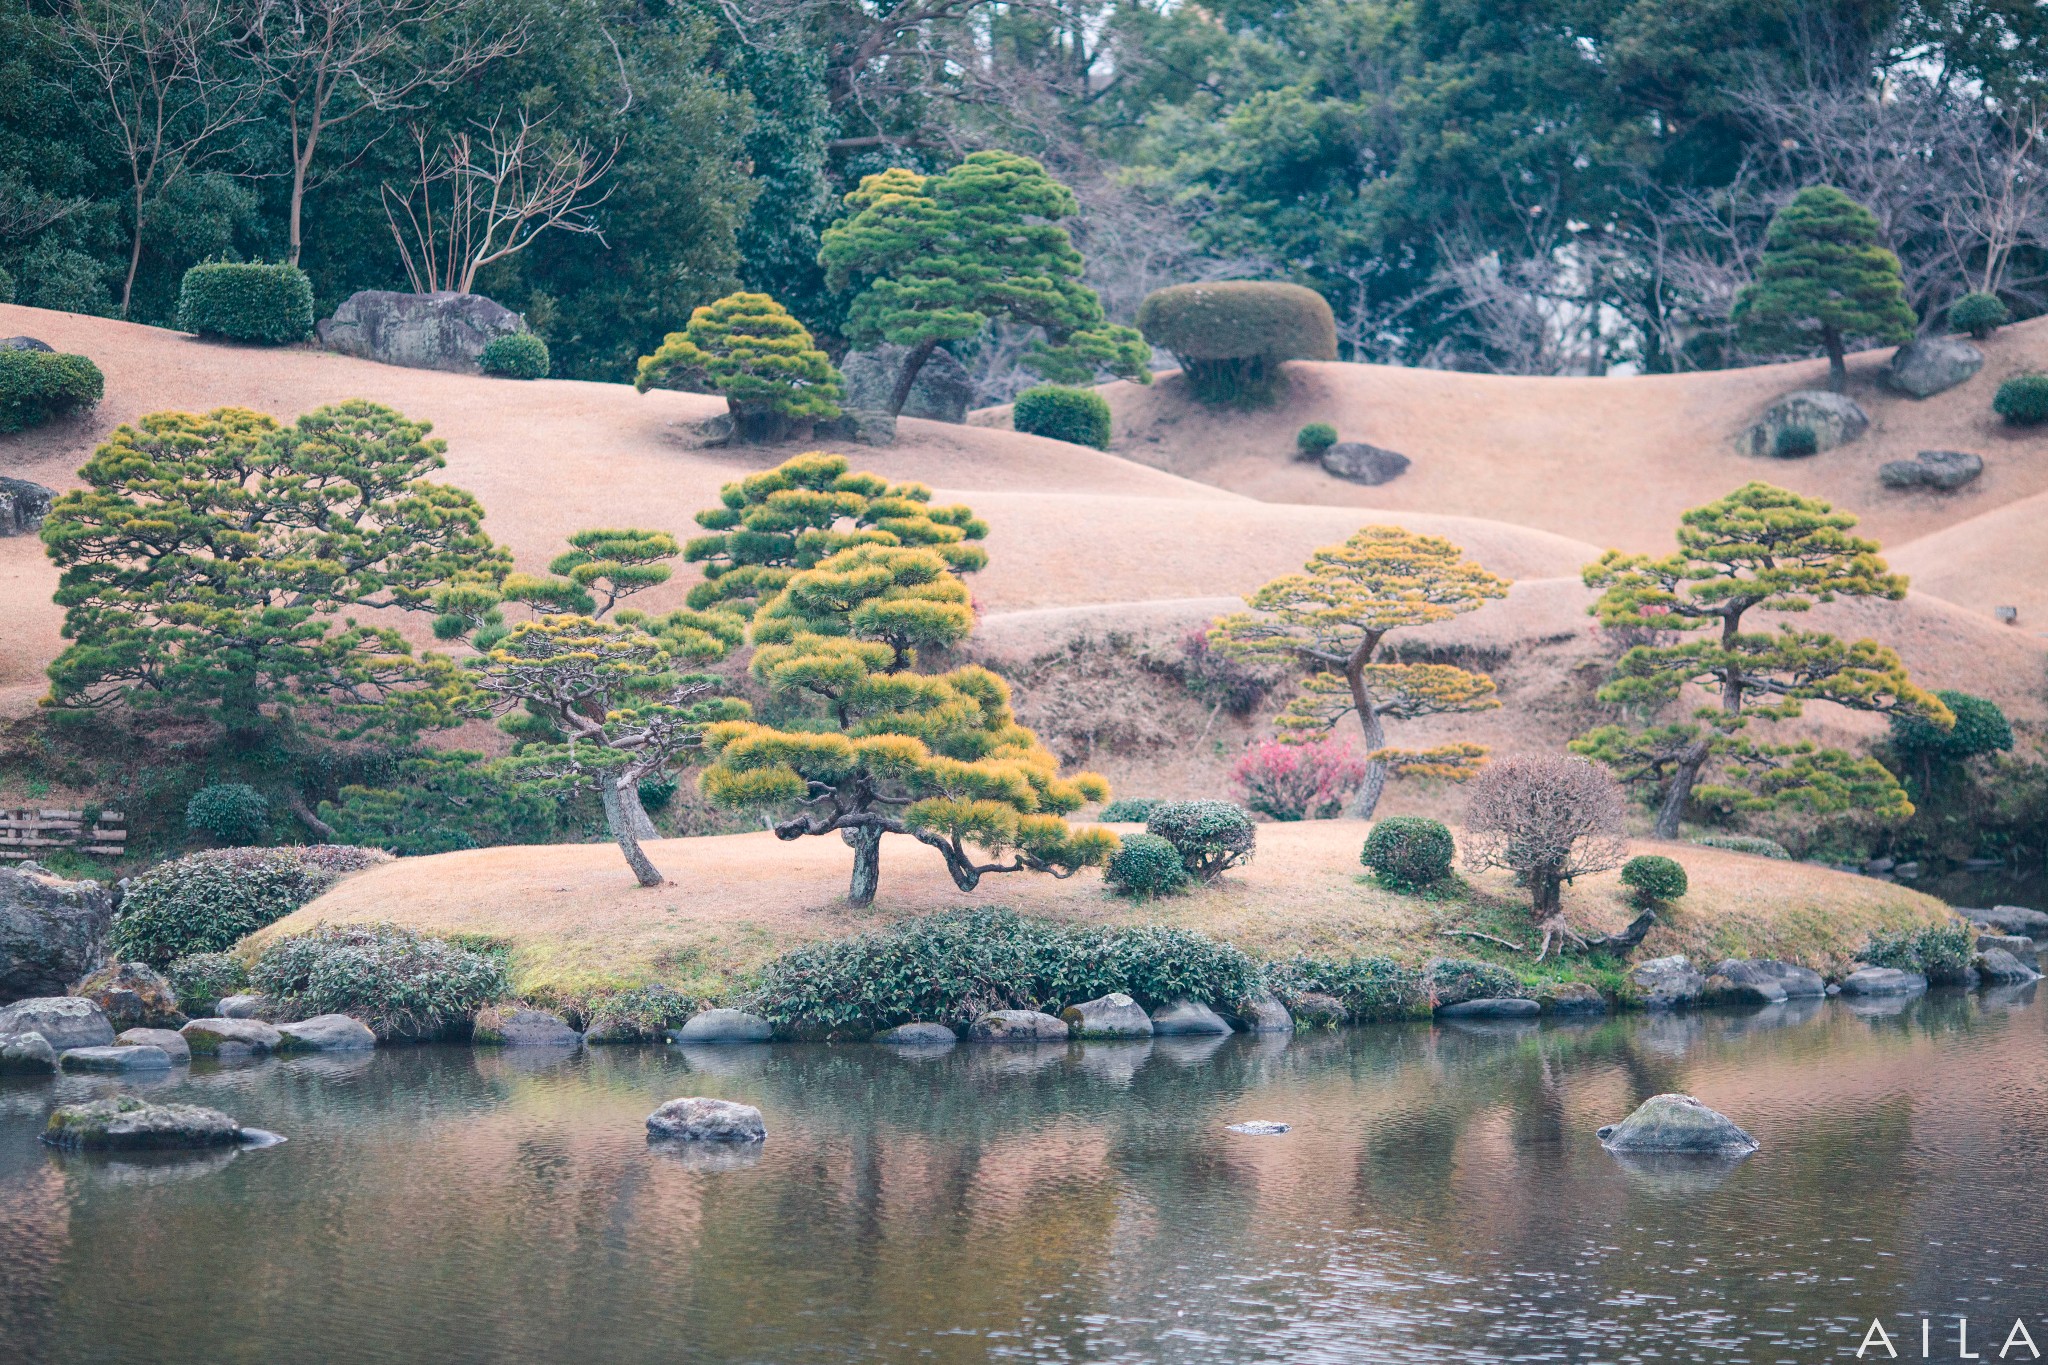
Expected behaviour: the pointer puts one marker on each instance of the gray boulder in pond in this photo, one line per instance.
(1115, 1015)
(1188, 1016)
(1362, 463)
(1931, 365)
(918, 1035)
(1490, 1008)
(705, 1120)
(943, 391)
(2012, 919)
(53, 932)
(1573, 997)
(1018, 1026)
(1883, 981)
(2019, 945)
(126, 1124)
(724, 1026)
(239, 1007)
(1667, 983)
(119, 1057)
(1743, 988)
(1676, 1123)
(23, 505)
(443, 331)
(169, 1039)
(522, 1028)
(1833, 419)
(1796, 981)
(65, 1021)
(26, 1054)
(230, 1037)
(133, 996)
(325, 1033)
(1264, 1014)
(1998, 967)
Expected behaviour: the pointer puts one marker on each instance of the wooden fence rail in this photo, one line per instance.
(28, 833)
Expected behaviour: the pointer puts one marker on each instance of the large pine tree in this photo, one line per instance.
(1824, 277)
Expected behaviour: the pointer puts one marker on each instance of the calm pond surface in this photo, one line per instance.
(1441, 1197)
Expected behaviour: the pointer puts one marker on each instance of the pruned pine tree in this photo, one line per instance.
(1825, 277)
(775, 380)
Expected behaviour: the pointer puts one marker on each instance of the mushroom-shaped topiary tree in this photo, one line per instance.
(1824, 277)
(747, 347)
(1232, 337)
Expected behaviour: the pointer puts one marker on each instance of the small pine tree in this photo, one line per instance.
(748, 348)
(1826, 277)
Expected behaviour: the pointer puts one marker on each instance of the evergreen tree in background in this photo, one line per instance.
(748, 347)
(1826, 277)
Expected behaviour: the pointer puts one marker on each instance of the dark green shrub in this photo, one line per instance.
(1129, 810)
(206, 902)
(2023, 400)
(644, 1014)
(1454, 980)
(438, 801)
(656, 792)
(202, 980)
(1406, 852)
(1080, 416)
(1231, 338)
(36, 386)
(1795, 442)
(230, 812)
(1145, 866)
(1655, 879)
(516, 355)
(1979, 314)
(246, 302)
(1745, 843)
(1212, 836)
(6, 287)
(401, 983)
(1315, 438)
(1980, 728)
(1939, 952)
(1371, 989)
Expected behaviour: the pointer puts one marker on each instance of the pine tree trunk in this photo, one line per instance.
(1368, 798)
(636, 813)
(866, 842)
(913, 364)
(1680, 791)
(619, 818)
(1838, 366)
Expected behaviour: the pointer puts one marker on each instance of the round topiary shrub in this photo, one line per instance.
(1655, 879)
(206, 902)
(1232, 337)
(1129, 810)
(230, 812)
(246, 302)
(1315, 438)
(202, 980)
(1795, 443)
(36, 386)
(516, 355)
(2023, 400)
(1079, 416)
(1979, 314)
(1211, 836)
(401, 983)
(1145, 866)
(1407, 852)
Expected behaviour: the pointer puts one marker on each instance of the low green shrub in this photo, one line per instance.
(2023, 400)
(1981, 728)
(36, 386)
(1232, 337)
(1795, 442)
(644, 1014)
(1744, 843)
(246, 302)
(1407, 852)
(1939, 952)
(1979, 314)
(401, 983)
(202, 980)
(1315, 438)
(1212, 836)
(1454, 980)
(1371, 989)
(439, 801)
(207, 902)
(1145, 866)
(515, 355)
(230, 812)
(1079, 416)
(656, 792)
(1129, 810)
(1655, 879)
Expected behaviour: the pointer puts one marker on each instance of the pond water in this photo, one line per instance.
(1440, 1196)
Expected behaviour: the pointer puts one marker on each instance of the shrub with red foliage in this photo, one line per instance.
(1299, 781)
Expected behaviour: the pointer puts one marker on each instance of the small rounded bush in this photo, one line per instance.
(247, 302)
(1407, 852)
(516, 355)
(400, 983)
(1212, 836)
(231, 812)
(1145, 866)
(1231, 337)
(1080, 416)
(1654, 878)
(1129, 810)
(1315, 438)
(36, 386)
(643, 1014)
(1795, 443)
(202, 980)
(656, 792)
(205, 902)
(2023, 400)
(1940, 952)
(1979, 314)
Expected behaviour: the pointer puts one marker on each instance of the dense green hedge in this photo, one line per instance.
(1654, 878)
(1978, 314)
(1079, 416)
(36, 386)
(1145, 866)
(1231, 337)
(1745, 843)
(1454, 980)
(202, 980)
(1940, 952)
(1370, 989)
(1130, 810)
(401, 983)
(516, 355)
(1212, 836)
(2023, 400)
(230, 812)
(1408, 852)
(247, 302)
(206, 902)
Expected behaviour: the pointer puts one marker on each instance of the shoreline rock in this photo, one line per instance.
(53, 932)
(169, 1039)
(724, 1026)
(521, 1028)
(1883, 981)
(1115, 1015)
(1667, 983)
(325, 1033)
(119, 1057)
(1018, 1026)
(230, 1038)
(918, 1035)
(133, 996)
(64, 1021)
(1491, 1007)
(1188, 1017)
(27, 1054)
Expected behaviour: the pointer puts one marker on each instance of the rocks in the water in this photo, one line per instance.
(230, 1037)
(1667, 983)
(1741, 985)
(1796, 981)
(26, 344)
(1260, 1128)
(1491, 1007)
(133, 996)
(1018, 1026)
(2001, 968)
(2012, 919)
(1929, 365)
(423, 331)
(326, 1033)
(705, 1120)
(26, 1054)
(169, 1040)
(1264, 1014)
(522, 1028)
(240, 1007)
(23, 505)
(127, 1124)
(942, 392)
(1942, 470)
(1115, 1015)
(65, 1021)
(1883, 981)
(1362, 463)
(119, 1057)
(52, 932)
(918, 1035)
(1188, 1017)
(1833, 419)
(2019, 945)
(1318, 1009)
(860, 427)
(1572, 997)
(724, 1026)
(1677, 1123)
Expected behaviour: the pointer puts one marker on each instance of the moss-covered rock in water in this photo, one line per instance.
(127, 1124)
(133, 996)
(230, 1037)
(1677, 1123)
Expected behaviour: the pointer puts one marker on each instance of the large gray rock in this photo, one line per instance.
(326, 1033)
(120, 1057)
(724, 1026)
(2000, 968)
(52, 932)
(918, 1035)
(1264, 1014)
(1942, 470)
(943, 391)
(240, 1007)
(1883, 981)
(2019, 945)
(230, 1037)
(1742, 988)
(1362, 463)
(23, 505)
(1188, 1017)
(1677, 1123)
(1572, 997)
(1793, 980)
(1667, 983)
(859, 426)
(65, 1021)
(1929, 365)
(703, 433)
(2013, 919)
(423, 331)
(169, 1040)
(1490, 1008)
(26, 1054)
(1834, 419)
(126, 1124)
(1115, 1015)
(704, 1120)
(133, 996)
(1018, 1026)
(522, 1028)
(26, 344)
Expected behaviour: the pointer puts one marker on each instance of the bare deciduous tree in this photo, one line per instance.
(1548, 819)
